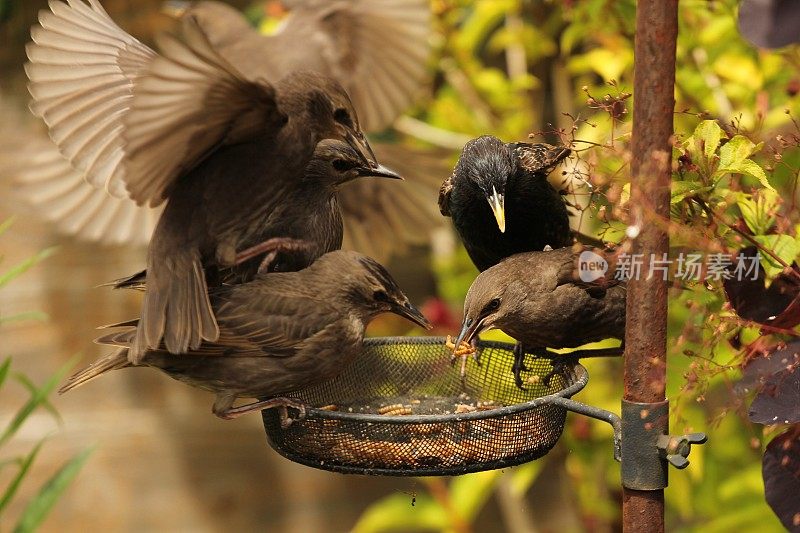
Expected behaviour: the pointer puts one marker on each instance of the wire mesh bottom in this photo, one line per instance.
(451, 425)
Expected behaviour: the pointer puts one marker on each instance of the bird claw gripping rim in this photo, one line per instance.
(433, 422)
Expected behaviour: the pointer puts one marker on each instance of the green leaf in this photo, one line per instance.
(24, 265)
(28, 384)
(33, 316)
(758, 211)
(710, 133)
(17, 481)
(38, 398)
(735, 151)
(784, 246)
(751, 168)
(395, 513)
(469, 493)
(526, 475)
(4, 370)
(39, 507)
(7, 223)
(683, 188)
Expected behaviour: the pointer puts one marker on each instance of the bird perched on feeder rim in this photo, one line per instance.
(546, 299)
(278, 333)
(345, 40)
(185, 127)
(501, 202)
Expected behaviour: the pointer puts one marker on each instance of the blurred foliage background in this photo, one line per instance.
(562, 70)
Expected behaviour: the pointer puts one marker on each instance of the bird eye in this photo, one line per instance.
(340, 165)
(342, 116)
(493, 305)
(380, 296)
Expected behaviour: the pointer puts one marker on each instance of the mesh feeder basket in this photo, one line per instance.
(400, 408)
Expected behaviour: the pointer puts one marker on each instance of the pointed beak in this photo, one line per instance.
(360, 144)
(469, 329)
(379, 171)
(496, 202)
(412, 313)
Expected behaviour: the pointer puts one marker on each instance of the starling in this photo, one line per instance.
(183, 126)
(501, 202)
(377, 49)
(278, 333)
(335, 39)
(543, 301)
(334, 163)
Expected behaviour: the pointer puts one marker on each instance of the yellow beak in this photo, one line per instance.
(498, 208)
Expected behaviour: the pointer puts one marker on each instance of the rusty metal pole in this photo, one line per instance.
(645, 336)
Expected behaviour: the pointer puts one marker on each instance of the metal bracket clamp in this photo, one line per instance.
(647, 446)
(642, 425)
(675, 450)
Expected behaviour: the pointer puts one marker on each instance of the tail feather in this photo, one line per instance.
(113, 361)
(132, 323)
(134, 282)
(121, 339)
(176, 308)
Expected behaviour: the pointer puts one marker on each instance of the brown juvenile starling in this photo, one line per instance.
(344, 40)
(278, 333)
(501, 202)
(334, 163)
(548, 299)
(185, 126)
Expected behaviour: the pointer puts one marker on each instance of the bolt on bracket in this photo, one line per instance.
(647, 446)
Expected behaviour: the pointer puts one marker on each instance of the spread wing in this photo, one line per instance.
(127, 118)
(377, 49)
(82, 68)
(59, 194)
(383, 217)
(189, 101)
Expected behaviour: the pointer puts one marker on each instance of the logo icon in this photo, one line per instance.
(591, 266)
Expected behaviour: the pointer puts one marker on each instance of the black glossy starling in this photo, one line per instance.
(337, 39)
(278, 333)
(185, 126)
(540, 299)
(501, 202)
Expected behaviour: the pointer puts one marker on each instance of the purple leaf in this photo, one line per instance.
(777, 376)
(776, 305)
(781, 471)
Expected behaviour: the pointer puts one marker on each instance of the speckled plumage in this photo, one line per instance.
(535, 213)
(278, 333)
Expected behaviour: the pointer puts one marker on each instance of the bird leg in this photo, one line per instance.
(231, 412)
(271, 247)
(519, 364)
(560, 360)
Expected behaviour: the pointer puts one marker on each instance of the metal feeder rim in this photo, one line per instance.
(578, 379)
(416, 472)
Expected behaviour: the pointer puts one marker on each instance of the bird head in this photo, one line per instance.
(336, 162)
(488, 304)
(371, 289)
(330, 110)
(486, 163)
